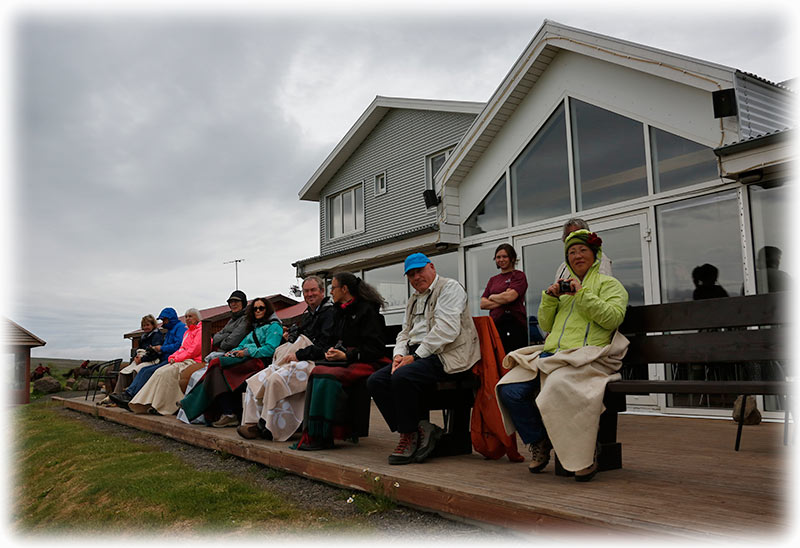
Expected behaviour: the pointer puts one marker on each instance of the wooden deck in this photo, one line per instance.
(680, 478)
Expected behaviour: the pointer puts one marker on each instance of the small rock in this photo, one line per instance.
(81, 385)
(47, 385)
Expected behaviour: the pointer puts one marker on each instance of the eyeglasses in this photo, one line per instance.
(259, 308)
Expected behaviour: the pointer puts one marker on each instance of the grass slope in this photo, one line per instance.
(72, 478)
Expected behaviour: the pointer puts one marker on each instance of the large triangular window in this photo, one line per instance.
(609, 156)
(540, 174)
(679, 162)
(491, 213)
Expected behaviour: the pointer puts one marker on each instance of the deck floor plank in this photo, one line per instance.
(680, 477)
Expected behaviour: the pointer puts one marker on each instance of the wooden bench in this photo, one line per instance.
(726, 332)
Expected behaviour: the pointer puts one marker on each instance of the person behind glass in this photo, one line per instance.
(357, 353)
(438, 339)
(504, 298)
(161, 392)
(570, 226)
(218, 394)
(172, 342)
(553, 396)
(704, 278)
(148, 352)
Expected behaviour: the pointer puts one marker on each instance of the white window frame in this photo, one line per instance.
(331, 203)
(429, 174)
(380, 184)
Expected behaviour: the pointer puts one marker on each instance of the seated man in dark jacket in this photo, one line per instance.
(316, 323)
(232, 333)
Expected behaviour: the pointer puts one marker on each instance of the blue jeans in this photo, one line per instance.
(142, 377)
(519, 399)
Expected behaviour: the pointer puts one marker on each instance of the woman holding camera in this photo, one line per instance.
(553, 395)
(504, 298)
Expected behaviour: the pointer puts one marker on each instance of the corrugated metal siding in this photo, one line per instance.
(763, 108)
(397, 146)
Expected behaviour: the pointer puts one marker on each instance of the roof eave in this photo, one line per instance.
(362, 128)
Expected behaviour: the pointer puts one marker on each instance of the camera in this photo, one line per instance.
(564, 286)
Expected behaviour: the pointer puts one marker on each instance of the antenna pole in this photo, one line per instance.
(236, 266)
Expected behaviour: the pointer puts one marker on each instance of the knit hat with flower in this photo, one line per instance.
(583, 236)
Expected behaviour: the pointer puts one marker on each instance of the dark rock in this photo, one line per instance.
(47, 385)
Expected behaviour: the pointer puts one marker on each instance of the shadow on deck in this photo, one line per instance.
(680, 478)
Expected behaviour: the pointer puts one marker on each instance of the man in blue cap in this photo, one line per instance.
(438, 339)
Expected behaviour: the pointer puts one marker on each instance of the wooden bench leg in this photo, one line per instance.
(456, 439)
(741, 422)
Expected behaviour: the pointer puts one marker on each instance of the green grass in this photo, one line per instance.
(70, 477)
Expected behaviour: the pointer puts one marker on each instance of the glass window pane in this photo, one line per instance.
(359, 220)
(698, 241)
(390, 283)
(437, 162)
(480, 267)
(446, 264)
(623, 246)
(609, 156)
(773, 254)
(491, 214)
(540, 174)
(771, 244)
(695, 232)
(679, 162)
(540, 261)
(336, 216)
(347, 212)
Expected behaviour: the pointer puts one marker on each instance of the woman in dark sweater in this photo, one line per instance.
(330, 411)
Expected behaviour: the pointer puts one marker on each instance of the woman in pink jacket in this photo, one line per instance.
(161, 393)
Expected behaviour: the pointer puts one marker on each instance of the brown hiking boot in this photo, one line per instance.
(540, 455)
(405, 450)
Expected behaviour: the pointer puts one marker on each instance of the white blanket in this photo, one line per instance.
(571, 398)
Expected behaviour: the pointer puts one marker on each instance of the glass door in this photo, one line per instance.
(626, 241)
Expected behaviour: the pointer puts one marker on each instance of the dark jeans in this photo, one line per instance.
(400, 395)
(519, 399)
(142, 377)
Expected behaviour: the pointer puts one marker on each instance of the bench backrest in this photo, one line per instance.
(722, 330)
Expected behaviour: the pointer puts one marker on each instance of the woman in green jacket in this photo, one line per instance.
(583, 310)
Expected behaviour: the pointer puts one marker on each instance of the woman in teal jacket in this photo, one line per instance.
(583, 310)
(217, 395)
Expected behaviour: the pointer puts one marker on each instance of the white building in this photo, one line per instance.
(676, 162)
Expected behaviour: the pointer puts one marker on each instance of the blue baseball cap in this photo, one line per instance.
(415, 260)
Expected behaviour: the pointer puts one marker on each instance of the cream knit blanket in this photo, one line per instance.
(571, 398)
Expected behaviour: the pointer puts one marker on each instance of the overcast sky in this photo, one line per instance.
(148, 148)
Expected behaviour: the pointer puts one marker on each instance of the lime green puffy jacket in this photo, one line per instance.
(588, 318)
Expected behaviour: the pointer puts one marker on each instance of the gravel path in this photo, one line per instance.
(305, 493)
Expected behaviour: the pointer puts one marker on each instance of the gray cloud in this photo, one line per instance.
(150, 149)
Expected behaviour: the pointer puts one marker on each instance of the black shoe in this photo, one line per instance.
(428, 436)
(121, 400)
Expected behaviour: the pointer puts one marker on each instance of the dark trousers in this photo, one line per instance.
(400, 395)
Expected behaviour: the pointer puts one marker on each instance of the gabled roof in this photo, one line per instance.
(552, 38)
(14, 334)
(375, 112)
